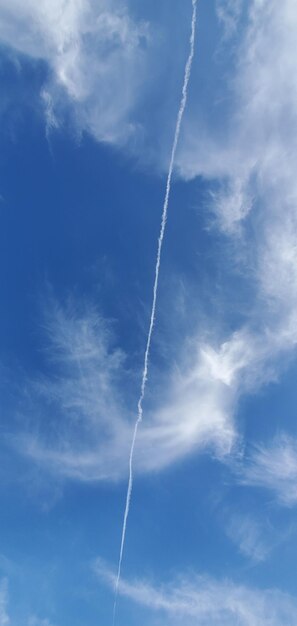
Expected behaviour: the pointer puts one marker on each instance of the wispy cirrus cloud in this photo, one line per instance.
(89, 431)
(253, 156)
(96, 56)
(81, 419)
(254, 539)
(251, 162)
(253, 165)
(274, 467)
(5, 619)
(255, 160)
(207, 601)
(228, 13)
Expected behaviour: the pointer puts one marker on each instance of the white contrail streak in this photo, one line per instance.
(181, 111)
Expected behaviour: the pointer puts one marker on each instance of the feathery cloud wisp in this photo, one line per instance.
(253, 539)
(95, 53)
(274, 467)
(89, 432)
(207, 601)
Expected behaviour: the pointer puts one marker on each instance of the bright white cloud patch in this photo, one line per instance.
(206, 601)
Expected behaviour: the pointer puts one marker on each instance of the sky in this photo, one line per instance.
(90, 95)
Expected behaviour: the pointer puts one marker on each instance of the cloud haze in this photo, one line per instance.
(4, 619)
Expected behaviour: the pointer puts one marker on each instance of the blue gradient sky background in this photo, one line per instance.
(90, 92)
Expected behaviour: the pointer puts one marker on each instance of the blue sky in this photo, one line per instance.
(90, 93)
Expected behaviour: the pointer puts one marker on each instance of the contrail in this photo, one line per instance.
(180, 114)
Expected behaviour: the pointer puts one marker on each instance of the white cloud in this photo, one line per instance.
(86, 436)
(88, 433)
(274, 467)
(232, 202)
(202, 399)
(203, 600)
(81, 421)
(261, 96)
(254, 154)
(252, 160)
(95, 52)
(255, 160)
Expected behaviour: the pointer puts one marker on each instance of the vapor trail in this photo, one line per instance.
(180, 114)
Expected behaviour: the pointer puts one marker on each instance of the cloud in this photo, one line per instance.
(251, 161)
(81, 421)
(250, 157)
(85, 435)
(81, 418)
(36, 621)
(4, 619)
(209, 602)
(95, 53)
(274, 467)
(262, 88)
(229, 12)
(202, 399)
(254, 539)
